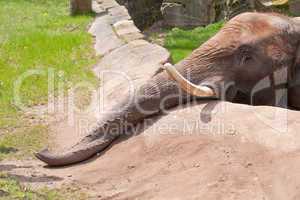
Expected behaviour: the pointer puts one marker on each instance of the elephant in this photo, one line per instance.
(250, 50)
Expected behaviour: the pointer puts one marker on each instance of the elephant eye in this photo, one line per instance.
(246, 59)
(245, 53)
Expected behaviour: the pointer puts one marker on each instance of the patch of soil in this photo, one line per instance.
(185, 156)
(3, 193)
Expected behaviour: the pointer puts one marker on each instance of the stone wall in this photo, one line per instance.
(143, 12)
(192, 13)
(294, 7)
(188, 13)
(80, 6)
(226, 9)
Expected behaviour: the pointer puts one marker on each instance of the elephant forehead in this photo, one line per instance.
(250, 28)
(257, 31)
(259, 26)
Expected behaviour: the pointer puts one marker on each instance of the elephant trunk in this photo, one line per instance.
(81, 151)
(165, 90)
(147, 102)
(97, 140)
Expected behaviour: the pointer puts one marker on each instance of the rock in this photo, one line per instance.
(123, 70)
(230, 8)
(118, 13)
(3, 193)
(97, 8)
(193, 13)
(105, 38)
(143, 12)
(127, 31)
(109, 43)
(80, 6)
(188, 13)
(107, 4)
(294, 7)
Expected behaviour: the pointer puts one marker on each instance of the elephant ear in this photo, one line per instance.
(296, 66)
(294, 82)
(295, 69)
(297, 60)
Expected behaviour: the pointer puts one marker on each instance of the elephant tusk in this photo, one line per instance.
(269, 3)
(186, 85)
(296, 19)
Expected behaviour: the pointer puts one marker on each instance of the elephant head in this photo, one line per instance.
(248, 49)
(251, 48)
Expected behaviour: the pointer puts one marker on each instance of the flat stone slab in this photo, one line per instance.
(97, 8)
(118, 13)
(136, 57)
(125, 69)
(126, 30)
(106, 39)
(107, 4)
(106, 44)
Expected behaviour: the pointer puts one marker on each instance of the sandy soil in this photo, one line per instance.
(198, 152)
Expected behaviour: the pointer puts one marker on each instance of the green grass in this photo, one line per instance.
(181, 42)
(23, 142)
(11, 189)
(37, 36)
(40, 35)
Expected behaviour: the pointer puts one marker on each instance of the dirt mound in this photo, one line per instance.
(213, 150)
